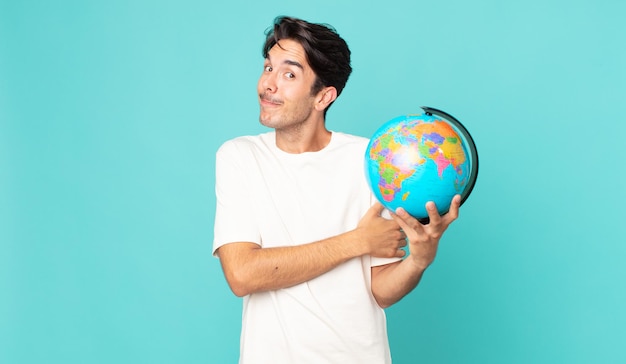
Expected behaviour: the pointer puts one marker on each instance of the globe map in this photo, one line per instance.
(413, 159)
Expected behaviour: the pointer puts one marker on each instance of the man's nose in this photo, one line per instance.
(268, 81)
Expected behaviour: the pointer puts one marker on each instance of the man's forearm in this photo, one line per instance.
(249, 268)
(393, 281)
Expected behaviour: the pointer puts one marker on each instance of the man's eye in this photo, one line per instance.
(268, 68)
(290, 75)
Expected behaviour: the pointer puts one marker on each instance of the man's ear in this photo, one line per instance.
(325, 97)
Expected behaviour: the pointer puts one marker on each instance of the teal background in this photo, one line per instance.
(111, 112)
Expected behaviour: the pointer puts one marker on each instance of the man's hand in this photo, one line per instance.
(393, 281)
(384, 237)
(424, 238)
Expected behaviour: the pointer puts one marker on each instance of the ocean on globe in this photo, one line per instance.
(413, 159)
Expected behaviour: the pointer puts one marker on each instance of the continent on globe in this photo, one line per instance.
(413, 159)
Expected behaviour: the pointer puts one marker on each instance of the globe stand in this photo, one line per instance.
(470, 143)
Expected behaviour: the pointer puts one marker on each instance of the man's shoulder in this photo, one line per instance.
(245, 142)
(342, 140)
(350, 137)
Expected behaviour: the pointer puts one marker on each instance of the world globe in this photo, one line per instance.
(413, 159)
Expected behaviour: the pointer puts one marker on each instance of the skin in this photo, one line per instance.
(297, 115)
(286, 102)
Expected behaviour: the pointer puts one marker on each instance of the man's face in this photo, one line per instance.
(285, 87)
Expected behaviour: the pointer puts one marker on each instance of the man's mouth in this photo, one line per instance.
(269, 100)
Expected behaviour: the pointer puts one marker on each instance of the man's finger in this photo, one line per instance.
(404, 220)
(453, 214)
(433, 213)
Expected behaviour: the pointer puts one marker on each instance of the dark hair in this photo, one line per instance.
(327, 53)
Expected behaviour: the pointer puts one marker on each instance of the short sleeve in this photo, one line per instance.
(234, 216)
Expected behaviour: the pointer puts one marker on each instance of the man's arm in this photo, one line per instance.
(250, 268)
(393, 281)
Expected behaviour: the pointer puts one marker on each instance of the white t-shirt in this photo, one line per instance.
(273, 198)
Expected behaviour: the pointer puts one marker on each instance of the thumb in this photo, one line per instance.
(406, 221)
(375, 210)
(400, 221)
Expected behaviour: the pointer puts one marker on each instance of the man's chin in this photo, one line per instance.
(265, 121)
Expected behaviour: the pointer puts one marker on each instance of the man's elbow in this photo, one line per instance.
(239, 290)
(239, 284)
(384, 303)
(234, 259)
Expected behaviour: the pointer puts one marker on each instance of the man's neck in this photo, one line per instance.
(302, 139)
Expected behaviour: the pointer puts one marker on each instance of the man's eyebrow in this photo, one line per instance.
(294, 63)
(287, 61)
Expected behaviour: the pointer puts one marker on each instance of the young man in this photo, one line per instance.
(297, 230)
